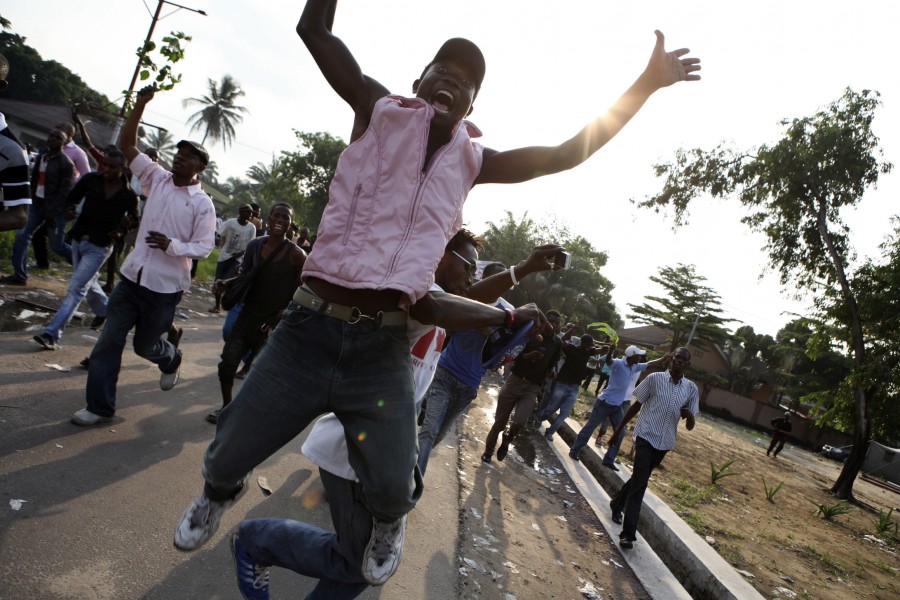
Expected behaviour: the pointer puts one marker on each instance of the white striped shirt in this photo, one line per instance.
(661, 402)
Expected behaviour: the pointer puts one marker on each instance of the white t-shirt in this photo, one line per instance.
(326, 445)
(235, 238)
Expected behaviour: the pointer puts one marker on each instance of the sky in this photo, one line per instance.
(551, 68)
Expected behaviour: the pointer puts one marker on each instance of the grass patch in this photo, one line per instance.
(732, 555)
(828, 563)
(206, 269)
(691, 496)
(694, 521)
(885, 568)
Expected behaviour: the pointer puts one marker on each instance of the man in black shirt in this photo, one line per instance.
(521, 390)
(781, 427)
(568, 381)
(109, 203)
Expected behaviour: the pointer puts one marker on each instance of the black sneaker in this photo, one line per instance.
(503, 449)
(46, 341)
(616, 515)
(574, 456)
(12, 280)
(486, 458)
(97, 323)
(626, 543)
(611, 466)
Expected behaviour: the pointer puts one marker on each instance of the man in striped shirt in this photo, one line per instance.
(666, 398)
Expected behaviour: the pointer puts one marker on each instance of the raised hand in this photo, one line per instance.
(666, 68)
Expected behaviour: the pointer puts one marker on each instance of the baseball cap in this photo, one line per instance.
(196, 149)
(463, 50)
(634, 350)
(244, 207)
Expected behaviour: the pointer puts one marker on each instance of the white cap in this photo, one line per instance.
(634, 350)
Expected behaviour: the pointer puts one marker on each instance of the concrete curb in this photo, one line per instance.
(702, 572)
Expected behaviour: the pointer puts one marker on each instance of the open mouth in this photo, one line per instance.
(442, 100)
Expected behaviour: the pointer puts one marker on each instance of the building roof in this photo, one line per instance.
(42, 117)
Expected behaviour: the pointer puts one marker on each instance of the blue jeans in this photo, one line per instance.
(445, 400)
(335, 559)
(57, 233)
(564, 397)
(86, 262)
(151, 314)
(314, 364)
(599, 414)
(631, 496)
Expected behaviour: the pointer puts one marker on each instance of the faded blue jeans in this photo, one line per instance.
(599, 414)
(564, 397)
(86, 262)
(313, 364)
(151, 314)
(56, 233)
(335, 559)
(445, 400)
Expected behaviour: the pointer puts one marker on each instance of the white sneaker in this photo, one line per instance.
(86, 418)
(384, 550)
(168, 380)
(199, 522)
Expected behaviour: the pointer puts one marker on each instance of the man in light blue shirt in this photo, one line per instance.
(608, 404)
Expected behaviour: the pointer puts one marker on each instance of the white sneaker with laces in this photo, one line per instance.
(384, 550)
(199, 522)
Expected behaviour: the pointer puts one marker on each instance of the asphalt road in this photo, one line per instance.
(100, 504)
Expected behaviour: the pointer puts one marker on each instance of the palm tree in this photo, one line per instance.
(163, 141)
(211, 173)
(219, 113)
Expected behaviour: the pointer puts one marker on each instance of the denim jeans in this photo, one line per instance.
(599, 414)
(57, 233)
(335, 559)
(151, 314)
(245, 336)
(314, 364)
(564, 397)
(445, 400)
(631, 496)
(86, 262)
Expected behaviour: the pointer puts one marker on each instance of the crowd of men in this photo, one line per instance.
(353, 326)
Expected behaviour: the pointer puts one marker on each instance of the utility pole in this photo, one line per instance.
(696, 322)
(137, 69)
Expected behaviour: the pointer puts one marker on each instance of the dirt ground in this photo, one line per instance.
(784, 547)
(526, 533)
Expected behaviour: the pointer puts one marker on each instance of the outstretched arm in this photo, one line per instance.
(540, 259)
(522, 164)
(128, 136)
(337, 62)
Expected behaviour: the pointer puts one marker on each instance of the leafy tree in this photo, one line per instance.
(689, 305)
(271, 184)
(794, 191)
(240, 190)
(219, 114)
(876, 287)
(581, 292)
(750, 358)
(311, 168)
(162, 140)
(35, 79)
(211, 173)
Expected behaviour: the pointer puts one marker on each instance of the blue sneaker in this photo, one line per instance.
(252, 579)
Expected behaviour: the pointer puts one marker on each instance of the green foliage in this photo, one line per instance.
(162, 140)
(161, 75)
(795, 190)
(47, 81)
(581, 293)
(830, 511)
(206, 268)
(686, 297)
(885, 525)
(771, 491)
(828, 562)
(220, 113)
(310, 169)
(718, 473)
